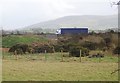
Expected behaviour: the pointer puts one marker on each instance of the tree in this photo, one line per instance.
(111, 31)
(92, 33)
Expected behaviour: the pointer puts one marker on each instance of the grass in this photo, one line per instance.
(11, 40)
(36, 68)
(72, 71)
(53, 57)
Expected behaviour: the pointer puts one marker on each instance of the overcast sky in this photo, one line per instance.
(20, 13)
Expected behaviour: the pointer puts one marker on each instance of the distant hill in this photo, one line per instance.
(94, 22)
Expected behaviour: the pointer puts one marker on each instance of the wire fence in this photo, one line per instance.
(56, 57)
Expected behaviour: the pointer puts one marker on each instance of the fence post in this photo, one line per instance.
(53, 49)
(99, 58)
(45, 55)
(62, 54)
(16, 55)
(80, 55)
(3, 56)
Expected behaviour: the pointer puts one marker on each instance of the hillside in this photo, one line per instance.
(11, 40)
(91, 21)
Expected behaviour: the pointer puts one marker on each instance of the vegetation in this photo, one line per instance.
(101, 41)
(20, 48)
(53, 65)
(116, 50)
(10, 40)
(38, 43)
(90, 45)
(75, 51)
(34, 67)
(44, 48)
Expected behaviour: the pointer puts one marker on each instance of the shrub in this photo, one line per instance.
(116, 50)
(42, 48)
(58, 48)
(18, 51)
(90, 45)
(75, 51)
(98, 55)
(19, 48)
(108, 42)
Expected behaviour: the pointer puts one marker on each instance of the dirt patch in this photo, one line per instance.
(4, 49)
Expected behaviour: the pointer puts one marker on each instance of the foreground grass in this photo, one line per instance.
(36, 68)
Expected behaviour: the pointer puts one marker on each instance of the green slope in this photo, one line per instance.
(11, 40)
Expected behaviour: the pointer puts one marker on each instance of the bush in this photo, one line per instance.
(75, 51)
(90, 45)
(19, 48)
(58, 48)
(98, 55)
(23, 48)
(116, 50)
(108, 42)
(18, 51)
(42, 48)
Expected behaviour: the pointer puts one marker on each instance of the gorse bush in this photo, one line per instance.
(58, 48)
(23, 48)
(116, 50)
(19, 48)
(75, 51)
(45, 47)
(90, 45)
(108, 42)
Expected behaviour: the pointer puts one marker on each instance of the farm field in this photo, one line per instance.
(10, 40)
(37, 67)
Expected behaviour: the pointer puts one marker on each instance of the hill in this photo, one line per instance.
(94, 22)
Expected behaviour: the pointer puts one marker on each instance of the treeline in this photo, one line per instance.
(35, 31)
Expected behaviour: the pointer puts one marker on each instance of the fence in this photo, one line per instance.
(52, 57)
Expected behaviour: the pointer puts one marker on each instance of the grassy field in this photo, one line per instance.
(38, 68)
(11, 40)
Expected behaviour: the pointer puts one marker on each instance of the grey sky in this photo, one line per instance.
(20, 13)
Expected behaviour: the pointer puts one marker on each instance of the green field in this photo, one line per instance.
(11, 40)
(37, 67)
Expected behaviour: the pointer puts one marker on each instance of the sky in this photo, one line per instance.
(15, 14)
